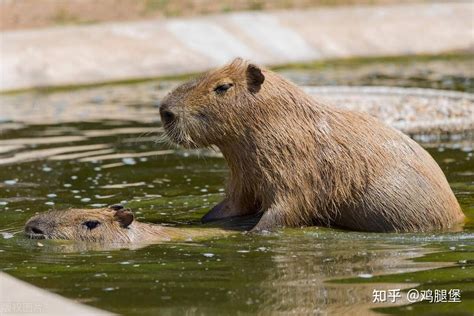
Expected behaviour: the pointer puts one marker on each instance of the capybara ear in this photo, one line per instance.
(124, 216)
(255, 78)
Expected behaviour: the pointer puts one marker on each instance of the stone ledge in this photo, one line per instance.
(20, 298)
(120, 51)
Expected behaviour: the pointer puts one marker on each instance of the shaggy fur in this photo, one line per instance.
(302, 162)
(115, 226)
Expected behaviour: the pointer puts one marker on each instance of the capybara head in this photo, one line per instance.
(98, 225)
(211, 109)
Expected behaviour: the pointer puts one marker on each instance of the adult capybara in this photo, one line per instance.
(303, 162)
(114, 224)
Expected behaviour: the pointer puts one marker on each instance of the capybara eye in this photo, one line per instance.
(223, 87)
(91, 224)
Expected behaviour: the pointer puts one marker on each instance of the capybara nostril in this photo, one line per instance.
(32, 228)
(167, 116)
(36, 230)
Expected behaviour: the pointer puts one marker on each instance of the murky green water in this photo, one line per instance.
(97, 146)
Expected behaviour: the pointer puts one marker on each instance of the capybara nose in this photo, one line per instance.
(167, 116)
(32, 228)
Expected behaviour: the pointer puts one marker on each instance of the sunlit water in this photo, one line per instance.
(98, 146)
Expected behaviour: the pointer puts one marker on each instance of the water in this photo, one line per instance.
(97, 146)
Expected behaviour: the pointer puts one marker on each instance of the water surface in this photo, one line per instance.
(98, 146)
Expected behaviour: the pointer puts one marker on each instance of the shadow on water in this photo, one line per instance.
(97, 146)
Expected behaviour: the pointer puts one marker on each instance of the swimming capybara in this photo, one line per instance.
(302, 162)
(114, 224)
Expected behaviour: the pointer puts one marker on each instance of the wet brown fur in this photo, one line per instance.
(302, 162)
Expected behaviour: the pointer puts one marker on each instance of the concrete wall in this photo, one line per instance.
(120, 51)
